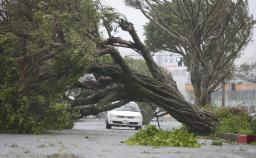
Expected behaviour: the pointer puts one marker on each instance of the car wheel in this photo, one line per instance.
(137, 128)
(108, 126)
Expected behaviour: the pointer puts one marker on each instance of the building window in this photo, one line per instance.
(168, 59)
(180, 61)
(233, 87)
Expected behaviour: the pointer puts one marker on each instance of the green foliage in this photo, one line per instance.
(110, 18)
(21, 120)
(43, 51)
(217, 143)
(138, 66)
(141, 67)
(253, 125)
(232, 120)
(60, 116)
(154, 137)
(235, 124)
(253, 143)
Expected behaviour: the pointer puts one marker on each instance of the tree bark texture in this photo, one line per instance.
(145, 89)
(125, 85)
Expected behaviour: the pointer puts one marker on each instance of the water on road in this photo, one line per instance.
(90, 139)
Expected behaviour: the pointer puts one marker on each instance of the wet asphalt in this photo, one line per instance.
(90, 139)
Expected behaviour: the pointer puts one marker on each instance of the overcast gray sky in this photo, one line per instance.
(136, 17)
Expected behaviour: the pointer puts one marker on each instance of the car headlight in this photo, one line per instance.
(111, 115)
(138, 117)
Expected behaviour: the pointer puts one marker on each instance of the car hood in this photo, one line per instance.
(124, 113)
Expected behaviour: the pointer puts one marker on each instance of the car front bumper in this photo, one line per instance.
(124, 123)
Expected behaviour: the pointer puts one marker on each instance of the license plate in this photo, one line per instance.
(125, 121)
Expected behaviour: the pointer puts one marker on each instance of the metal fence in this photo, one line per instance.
(236, 98)
(245, 98)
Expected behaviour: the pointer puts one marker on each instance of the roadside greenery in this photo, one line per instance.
(43, 52)
(233, 120)
(151, 136)
(217, 143)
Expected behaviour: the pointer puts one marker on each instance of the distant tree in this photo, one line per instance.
(209, 34)
(247, 72)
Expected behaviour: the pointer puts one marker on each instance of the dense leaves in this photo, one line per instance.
(154, 137)
(233, 120)
(44, 50)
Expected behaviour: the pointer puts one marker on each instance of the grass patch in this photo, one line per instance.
(151, 136)
(253, 143)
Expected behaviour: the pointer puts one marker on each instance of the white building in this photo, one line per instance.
(173, 63)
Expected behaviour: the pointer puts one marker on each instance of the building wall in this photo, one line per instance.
(236, 94)
(237, 91)
(174, 64)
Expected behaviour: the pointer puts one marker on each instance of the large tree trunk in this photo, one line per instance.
(121, 83)
(203, 98)
(200, 86)
(145, 89)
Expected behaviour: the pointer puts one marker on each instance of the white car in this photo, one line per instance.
(128, 115)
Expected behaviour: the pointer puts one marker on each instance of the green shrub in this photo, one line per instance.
(235, 124)
(32, 83)
(232, 120)
(154, 137)
(29, 111)
(253, 125)
(22, 120)
(60, 116)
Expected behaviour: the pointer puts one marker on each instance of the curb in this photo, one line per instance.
(238, 138)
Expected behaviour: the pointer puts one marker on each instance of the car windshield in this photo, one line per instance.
(128, 107)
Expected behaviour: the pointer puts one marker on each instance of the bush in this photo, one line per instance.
(253, 125)
(154, 137)
(60, 116)
(217, 143)
(32, 83)
(22, 120)
(232, 120)
(29, 111)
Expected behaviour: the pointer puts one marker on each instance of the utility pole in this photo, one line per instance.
(223, 93)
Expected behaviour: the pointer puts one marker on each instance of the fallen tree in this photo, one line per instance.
(118, 82)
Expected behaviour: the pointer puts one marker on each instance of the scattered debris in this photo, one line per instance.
(41, 146)
(62, 155)
(27, 152)
(14, 145)
(217, 143)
